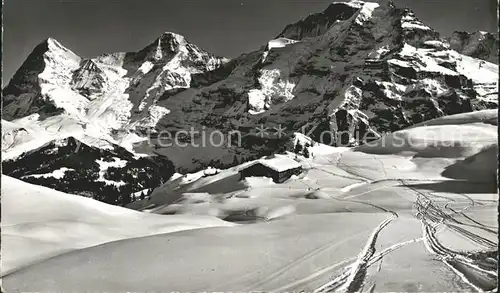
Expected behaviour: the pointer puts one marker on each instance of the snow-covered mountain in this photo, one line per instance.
(112, 93)
(357, 68)
(481, 45)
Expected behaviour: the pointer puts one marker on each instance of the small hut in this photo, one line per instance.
(279, 169)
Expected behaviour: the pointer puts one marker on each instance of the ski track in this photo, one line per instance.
(358, 270)
(430, 215)
(427, 212)
(352, 278)
(298, 262)
(309, 278)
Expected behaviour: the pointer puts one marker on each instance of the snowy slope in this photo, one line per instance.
(413, 226)
(39, 223)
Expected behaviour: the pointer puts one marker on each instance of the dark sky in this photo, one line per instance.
(224, 27)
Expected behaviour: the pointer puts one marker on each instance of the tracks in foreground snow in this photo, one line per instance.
(352, 277)
(478, 270)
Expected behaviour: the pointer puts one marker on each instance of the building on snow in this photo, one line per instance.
(279, 169)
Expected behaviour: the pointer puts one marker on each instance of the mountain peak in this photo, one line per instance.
(173, 35)
(51, 40)
(352, 3)
(36, 62)
(52, 44)
(318, 23)
(163, 47)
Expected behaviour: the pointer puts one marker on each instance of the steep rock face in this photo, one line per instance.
(414, 31)
(110, 175)
(88, 79)
(481, 45)
(317, 24)
(166, 64)
(46, 69)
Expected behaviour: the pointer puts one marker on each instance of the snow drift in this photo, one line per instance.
(39, 223)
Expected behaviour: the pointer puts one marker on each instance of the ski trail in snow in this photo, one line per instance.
(299, 261)
(366, 192)
(353, 186)
(387, 186)
(430, 217)
(310, 277)
(350, 279)
(392, 248)
(429, 241)
(356, 272)
(343, 167)
(478, 224)
(341, 176)
(343, 277)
